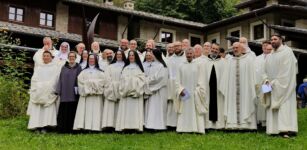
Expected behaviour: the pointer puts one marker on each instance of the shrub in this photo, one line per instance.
(13, 78)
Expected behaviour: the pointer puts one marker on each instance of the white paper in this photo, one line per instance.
(76, 90)
(266, 88)
(186, 95)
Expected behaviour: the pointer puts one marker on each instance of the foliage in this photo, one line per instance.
(206, 11)
(13, 97)
(14, 133)
(13, 77)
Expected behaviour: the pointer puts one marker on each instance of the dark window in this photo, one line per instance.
(213, 41)
(235, 34)
(258, 31)
(195, 40)
(16, 14)
(166, 37)
(46, 19)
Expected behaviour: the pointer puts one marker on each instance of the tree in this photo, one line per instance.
(206, 11)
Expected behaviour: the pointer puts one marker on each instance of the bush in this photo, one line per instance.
(13, 97)
(13, 78)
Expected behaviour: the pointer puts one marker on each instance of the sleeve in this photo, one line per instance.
(132, 86)
(200, 92)
(178, 89)
(110, 86)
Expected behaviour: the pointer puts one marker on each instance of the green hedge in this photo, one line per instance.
(14, 97)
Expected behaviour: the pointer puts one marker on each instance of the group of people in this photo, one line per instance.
(189, 89)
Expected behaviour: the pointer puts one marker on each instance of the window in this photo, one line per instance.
(16, 14)
(195, 39)
(257, 31)
(234, 32)
(167, 35)
(46, 19)
(214, 38)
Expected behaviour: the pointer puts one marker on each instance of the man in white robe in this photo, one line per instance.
(133, 45)
(80, 48)
(190, 96)
(260, 60)
(215, 67)
(38, 56)
(239, 90)
(106, 59)
(42, 107)
(280, 73)
(174, 62)
(247, 50)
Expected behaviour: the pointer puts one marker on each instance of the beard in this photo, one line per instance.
(275, 45)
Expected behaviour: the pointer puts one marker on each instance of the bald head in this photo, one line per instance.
(244, 41)
(238, 48)
(124, 44)
(80, 48)
(177, 48)
(133, 45)
(170, 49)
(185, 44)
(95, 47)
(198, 50)
(207, 48)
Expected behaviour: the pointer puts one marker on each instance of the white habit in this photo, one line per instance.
(191, 111)
(42, 107)
(156, 88)
(281, 70)
(91, 82)
(111, 94)
(131, 105)
(240, 94)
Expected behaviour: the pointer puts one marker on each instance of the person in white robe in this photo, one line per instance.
(38, 56)
(131, 105)
(42, 107)
(169, 50)
(106, 59)
(62, 57)
(80, 48)
(247, 50)
(156, 88)
(280, 74)
(133, 45)
(124, 46)
(91, 82)
(215, 67)
(111, 92)
(190, 96)
(259, 61)
(239, 90)
(174, 62)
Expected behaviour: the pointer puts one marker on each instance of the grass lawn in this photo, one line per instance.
(14, 135)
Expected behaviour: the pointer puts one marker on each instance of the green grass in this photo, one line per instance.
(14, 135)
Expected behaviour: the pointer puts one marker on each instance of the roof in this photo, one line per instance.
(246, 3)
(47, 32)
(259, 44)
(301, 10)
(137, 13)
(289, 29)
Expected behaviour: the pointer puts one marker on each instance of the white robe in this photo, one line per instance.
(191, 112)
(281, 70)
(38, 56)
(91, 82)
(42, 107)
(259, 67)
(103, 63)
(219, 65)
(131, 105)
(111, 94)
(239, 91)
(174, 62)
(156, 88)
